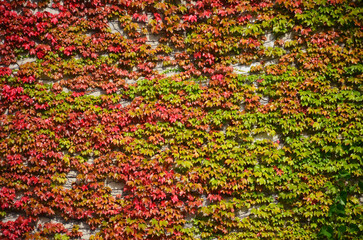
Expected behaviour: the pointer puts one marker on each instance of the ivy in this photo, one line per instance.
(181, 120)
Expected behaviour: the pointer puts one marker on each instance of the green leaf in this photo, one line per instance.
(343, 198)
(326, 231)
(360, 184)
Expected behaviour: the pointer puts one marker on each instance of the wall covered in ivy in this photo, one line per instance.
(205, 119)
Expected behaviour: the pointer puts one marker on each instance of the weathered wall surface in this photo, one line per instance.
(180, 119)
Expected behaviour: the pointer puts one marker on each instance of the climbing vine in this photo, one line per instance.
(220, 119)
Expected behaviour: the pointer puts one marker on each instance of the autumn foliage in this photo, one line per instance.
(220, 119)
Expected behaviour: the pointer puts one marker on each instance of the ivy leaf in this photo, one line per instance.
(326, 231)
(343, 198)
(360, 184)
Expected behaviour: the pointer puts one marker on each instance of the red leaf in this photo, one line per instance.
(175, 199)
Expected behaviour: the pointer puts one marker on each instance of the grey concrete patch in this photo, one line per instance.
(52, 10)
(11, 217)
(264, 100)
(115, 28)
(270, 40)
(14, 66)
(152, 40)
(20, 62)
(271, 62)
(66, 90)
(243, 213)
(262, 136)
(131, 81)
(243, 69)
(125, 103)
(71, 178)
(287, 36)
(116, 188)
(96, 93)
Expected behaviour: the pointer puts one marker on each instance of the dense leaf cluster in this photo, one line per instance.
(220, 119)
